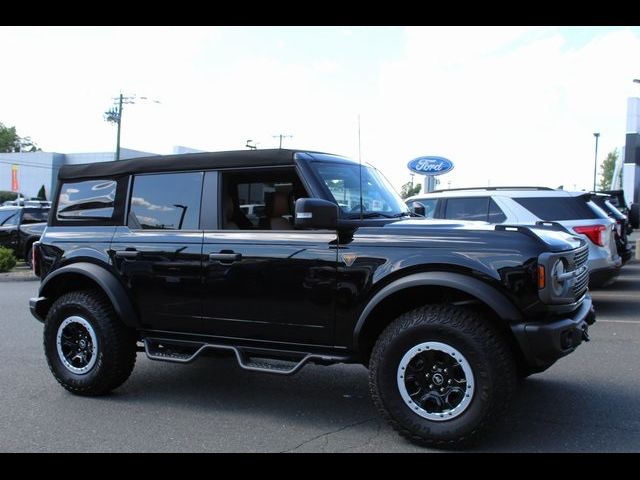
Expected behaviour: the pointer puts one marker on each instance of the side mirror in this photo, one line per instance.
(419, 209)
(316, 213)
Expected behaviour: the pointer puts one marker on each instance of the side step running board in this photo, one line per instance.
(254, 359)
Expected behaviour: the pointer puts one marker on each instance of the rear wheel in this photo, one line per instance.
(440, 375)
(89, 350)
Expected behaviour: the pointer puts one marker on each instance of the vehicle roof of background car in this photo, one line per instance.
(506, 192)
(189, 161)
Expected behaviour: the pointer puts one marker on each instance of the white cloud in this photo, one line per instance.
(507, 105)
(141, 202)
(522, 115)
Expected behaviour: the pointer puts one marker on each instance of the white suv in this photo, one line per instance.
(527, 205)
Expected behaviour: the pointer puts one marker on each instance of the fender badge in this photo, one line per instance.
(349, 258)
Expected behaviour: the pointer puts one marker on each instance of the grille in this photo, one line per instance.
(580, 258)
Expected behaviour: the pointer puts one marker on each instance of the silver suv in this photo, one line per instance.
(527, 205)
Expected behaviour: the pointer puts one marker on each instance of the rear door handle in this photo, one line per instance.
(225, 257)
(127, 253)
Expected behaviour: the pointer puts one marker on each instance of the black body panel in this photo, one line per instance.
(275, 286)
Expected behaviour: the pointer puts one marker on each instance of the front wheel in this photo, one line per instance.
(440, 375)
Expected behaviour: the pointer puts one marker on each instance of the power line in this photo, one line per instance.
(26, 164)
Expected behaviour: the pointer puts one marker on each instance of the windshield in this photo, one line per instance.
(8, 217)
(378, 196)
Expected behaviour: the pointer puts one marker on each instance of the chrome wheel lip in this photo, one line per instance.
(94, 342)
(460, 360)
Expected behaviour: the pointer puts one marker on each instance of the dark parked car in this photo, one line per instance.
(632, 211)
(20, 227)
(156, 255)
(623, 227)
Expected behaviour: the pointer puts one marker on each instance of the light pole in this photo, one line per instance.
(595, 166)
(114, 115)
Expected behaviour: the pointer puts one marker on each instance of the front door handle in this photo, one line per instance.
(225, 257)
(127, 253)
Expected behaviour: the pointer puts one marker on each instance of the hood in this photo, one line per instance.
(555, 239)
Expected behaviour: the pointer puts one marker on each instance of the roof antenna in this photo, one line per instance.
(360, 162)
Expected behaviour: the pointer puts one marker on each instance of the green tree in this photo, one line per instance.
(5, 195)
(606, 170)
(7, 260)
(42, 194)
(10, 141)
(408, 190)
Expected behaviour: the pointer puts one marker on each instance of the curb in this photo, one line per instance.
(20, 273)
(18, 278)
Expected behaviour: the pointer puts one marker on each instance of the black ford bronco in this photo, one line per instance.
(157, 255)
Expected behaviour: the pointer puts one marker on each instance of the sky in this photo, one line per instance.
(507, 105)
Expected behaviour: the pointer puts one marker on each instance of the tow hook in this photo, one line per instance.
(585, 334)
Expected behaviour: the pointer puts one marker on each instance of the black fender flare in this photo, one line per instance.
(483, 292)
(106, 281)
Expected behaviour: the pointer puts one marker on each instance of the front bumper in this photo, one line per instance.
(542, 343)
(36, 305)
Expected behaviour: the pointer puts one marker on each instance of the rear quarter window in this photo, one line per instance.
(91, 202)
(558, 208)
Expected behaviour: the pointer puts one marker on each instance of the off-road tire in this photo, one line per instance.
(484, 348)
(116, 343)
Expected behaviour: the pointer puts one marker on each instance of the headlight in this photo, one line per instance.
(558, 278)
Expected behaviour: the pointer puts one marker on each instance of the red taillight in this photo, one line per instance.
(593, 232)
(35, 259)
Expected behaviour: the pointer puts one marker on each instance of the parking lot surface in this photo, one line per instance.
(586, 402)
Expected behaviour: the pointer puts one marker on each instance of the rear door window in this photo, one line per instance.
(467, 208)
(168, 201)
(558, 208)
(496, 215)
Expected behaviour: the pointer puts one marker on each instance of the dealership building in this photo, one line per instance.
(32, 170)
(27, 172)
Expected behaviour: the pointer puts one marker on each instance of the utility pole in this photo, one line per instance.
(281, 136)
(114, 115)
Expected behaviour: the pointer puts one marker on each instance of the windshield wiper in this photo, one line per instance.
(355, 216)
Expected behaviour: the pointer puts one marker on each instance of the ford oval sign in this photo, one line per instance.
(430, 165)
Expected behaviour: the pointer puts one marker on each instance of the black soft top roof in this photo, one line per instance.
(185, 161)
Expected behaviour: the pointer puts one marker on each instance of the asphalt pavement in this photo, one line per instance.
(586, 402)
